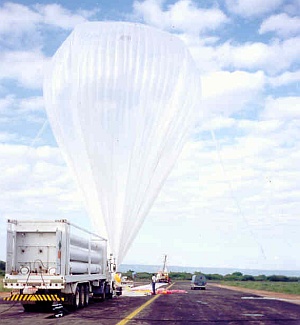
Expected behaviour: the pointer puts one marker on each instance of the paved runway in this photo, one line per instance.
(212, 306)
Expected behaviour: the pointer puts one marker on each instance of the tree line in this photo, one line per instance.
(2, 268)
(186, 276)
(235, 276)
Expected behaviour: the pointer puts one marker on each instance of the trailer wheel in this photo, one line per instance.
(76, 300)
(109, 292)
(86, 295)
(29, 307)
(103, 295)
(81, 295)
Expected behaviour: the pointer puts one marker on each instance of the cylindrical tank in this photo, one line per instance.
(82, 255)
(81, 268)
(81, 242)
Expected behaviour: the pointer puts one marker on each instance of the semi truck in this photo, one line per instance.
(57, 262)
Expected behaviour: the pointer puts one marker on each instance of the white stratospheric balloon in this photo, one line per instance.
(121, 99)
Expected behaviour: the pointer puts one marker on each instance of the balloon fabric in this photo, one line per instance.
(121, 99)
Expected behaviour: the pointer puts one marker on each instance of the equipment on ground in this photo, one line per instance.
(163, 275)
(56, 261)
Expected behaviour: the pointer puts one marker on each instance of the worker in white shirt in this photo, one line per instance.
(153, 281)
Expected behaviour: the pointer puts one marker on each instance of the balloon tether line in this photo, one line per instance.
(232, 195)
(41, 130)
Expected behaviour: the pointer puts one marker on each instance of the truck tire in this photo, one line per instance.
(29, 307)
(86, 295)
(109, 292)
(81, 295)
(103, 295)
(76, 299)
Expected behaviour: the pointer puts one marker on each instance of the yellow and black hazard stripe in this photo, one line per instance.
(34, 297)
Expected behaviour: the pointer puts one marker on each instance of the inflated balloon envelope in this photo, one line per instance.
(121, 99)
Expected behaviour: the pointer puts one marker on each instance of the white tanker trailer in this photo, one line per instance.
(56, 261)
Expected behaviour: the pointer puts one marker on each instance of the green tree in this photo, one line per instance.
(247, 277)
(2, 265)
(260, 277)
(278, 278)
(237, 274)
(215, 276)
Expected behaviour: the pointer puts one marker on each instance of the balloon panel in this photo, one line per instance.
(121, 99)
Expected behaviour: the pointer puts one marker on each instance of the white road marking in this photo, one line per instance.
(202, 302)
(255, 315)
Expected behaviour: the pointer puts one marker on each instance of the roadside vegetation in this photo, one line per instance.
(2, 268)
(2, 271)
(1, 285)
(282, 287)
(275, 283)
(236, 276)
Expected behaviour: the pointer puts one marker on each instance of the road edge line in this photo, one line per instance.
(139, 309)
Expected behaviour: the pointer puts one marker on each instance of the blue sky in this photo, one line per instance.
(232, 199)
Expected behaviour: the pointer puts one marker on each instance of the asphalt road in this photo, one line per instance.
(212, 306)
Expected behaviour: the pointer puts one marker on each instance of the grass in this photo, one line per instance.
(282, 287)
(1, 285)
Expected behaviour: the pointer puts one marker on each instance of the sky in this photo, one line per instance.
(232, 199)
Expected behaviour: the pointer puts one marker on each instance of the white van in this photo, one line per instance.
(198, 282)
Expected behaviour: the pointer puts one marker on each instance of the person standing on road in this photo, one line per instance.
(153, 281)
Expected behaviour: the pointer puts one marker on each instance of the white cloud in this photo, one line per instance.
(8, 137)
(204, 53)
(17, 114)
(246, 8)
(17, 18)
(56, 15)
(36, 184)
(23, 27)
(264, 127)
(27, 67)
(282, 108)
(22, 31)
(5, 103)
(273, 58)
(183, 15)
(281, 24)
(31, 104)
(219, 122)
(218, 83)
(34, 173)
(150, 11)
(285, 78)
(228, 92)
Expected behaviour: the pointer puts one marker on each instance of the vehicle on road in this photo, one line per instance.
(56, 261)
(198, 282)
(126, 282)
